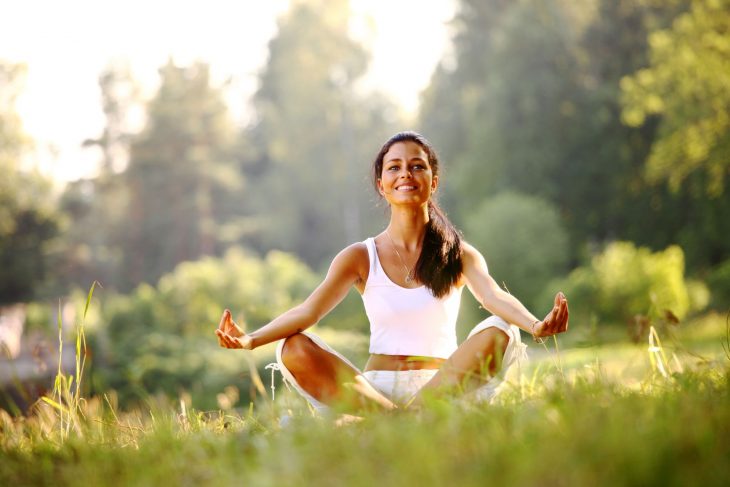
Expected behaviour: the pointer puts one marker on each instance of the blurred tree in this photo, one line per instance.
(121, 98)
(448, 114)
(603, 190)
(624, 281)
(28, 218)
(523, 241)
(91, 247)
(315, 136)
(177, 318)
(719, 283)
(529, 100)
(181, 166)
(682, 97)
(688, 85)
(516, 79)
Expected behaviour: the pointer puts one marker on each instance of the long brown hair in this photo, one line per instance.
(439, 265)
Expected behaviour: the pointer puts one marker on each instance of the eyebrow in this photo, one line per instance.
(398, 159)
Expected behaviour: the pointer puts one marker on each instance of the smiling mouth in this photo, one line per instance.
(406, 187)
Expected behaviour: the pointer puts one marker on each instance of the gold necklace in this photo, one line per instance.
(409, 277)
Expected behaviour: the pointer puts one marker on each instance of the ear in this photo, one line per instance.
(380, 187)
(434, 183)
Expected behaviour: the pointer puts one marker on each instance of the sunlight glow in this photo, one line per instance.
(65, 45)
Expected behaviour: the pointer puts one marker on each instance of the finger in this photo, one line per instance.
(233, 326)
(563, 317)
(218, 336)
(233, 342)
(229, 320)
(224, 318)
(227, 340)
(558, 311)
(559, 321)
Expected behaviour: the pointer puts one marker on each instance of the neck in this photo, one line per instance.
(408, 225)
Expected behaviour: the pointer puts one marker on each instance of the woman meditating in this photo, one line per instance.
(411, 277)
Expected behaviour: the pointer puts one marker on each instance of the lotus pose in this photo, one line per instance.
(411, 277)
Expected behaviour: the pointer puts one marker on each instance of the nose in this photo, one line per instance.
(405, 173)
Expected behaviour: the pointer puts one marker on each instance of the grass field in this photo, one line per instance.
(615, 414)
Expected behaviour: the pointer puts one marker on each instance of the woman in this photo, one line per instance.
(410, 277)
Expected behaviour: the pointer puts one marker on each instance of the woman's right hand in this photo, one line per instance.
(230, 335)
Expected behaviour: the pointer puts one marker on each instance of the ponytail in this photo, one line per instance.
(439, 266)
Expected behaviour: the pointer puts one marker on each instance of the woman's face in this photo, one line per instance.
(407, 176)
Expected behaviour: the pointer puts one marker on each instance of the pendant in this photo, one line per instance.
(408, 279)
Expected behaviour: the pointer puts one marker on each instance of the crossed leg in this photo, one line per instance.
(332, 381)
(475, 362)
(327, 377)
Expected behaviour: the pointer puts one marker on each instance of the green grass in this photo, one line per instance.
(569, 419)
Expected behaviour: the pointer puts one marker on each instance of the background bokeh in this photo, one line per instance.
(585, 147)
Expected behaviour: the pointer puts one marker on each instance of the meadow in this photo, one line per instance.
(613, 414)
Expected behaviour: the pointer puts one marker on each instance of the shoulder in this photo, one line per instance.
(353, 260)
(357, 252)
(471, 257)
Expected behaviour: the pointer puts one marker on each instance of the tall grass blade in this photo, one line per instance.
(656, 353)
(58, 382)
(54, 404)
(81, 344)
(726, 343)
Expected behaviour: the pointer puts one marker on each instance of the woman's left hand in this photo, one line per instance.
(556, 320)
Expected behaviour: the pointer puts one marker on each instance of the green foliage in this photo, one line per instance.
(28, 219)
(516, 124)
(719, 283)
(29, 225)
(260, 289)
(91, 245)
(529, 100)
(573, 415)
(625, 281)
(523, 241)
(66, 398)
(585, 430)
(38, 317)
(160, 339)
(688, 84)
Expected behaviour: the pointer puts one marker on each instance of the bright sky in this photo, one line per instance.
(66, 44)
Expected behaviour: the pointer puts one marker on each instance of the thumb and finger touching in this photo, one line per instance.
(556, 320)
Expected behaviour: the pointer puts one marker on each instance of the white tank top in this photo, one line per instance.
(408, 321)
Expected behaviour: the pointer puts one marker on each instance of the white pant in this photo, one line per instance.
(400, 386)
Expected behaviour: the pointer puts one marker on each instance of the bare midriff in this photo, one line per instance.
(402, 362)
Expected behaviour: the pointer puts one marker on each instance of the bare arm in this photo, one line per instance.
(345, 271)
(486, 290)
